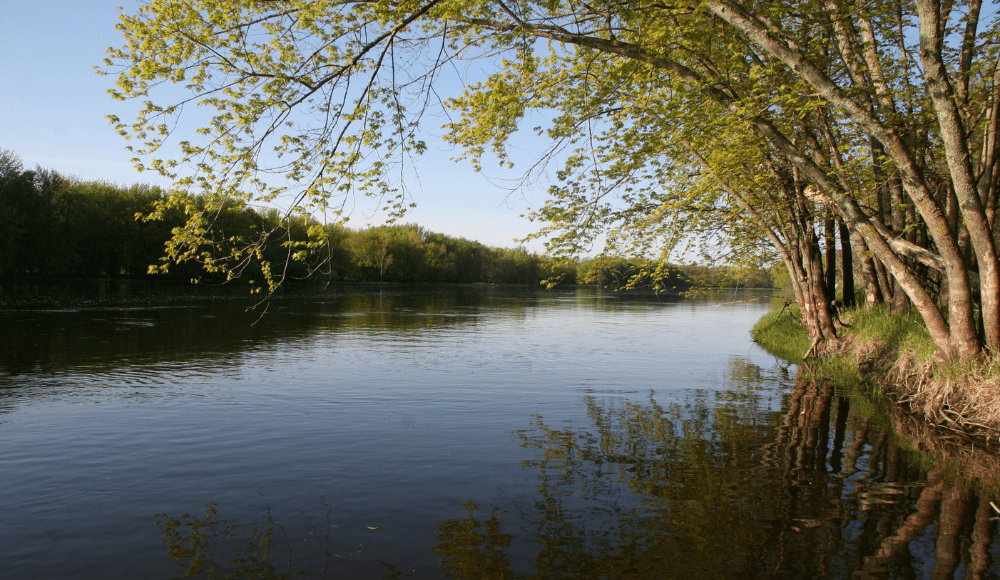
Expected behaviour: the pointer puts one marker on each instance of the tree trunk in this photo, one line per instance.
(959, 327)
(883, 283)
(830, 236)
(954, 337)
(847, 265)
(815, 305)
(873, 296)
(956, 145)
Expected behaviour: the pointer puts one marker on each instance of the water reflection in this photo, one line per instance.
(699, 489)
(815, 491)
(47, 331)
(456, 432)
(94, 327)
(468, 548)
(208, 548)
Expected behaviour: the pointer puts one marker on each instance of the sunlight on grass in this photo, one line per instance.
(905, 332)
(781, 335)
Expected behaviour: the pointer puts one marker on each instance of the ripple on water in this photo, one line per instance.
(586, 431)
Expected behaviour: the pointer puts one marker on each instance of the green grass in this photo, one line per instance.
(782, 336)
(904, 333)
(786, 338)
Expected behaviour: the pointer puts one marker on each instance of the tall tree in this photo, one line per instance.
(833, 104)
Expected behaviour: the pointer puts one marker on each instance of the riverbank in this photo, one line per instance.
(889, 356)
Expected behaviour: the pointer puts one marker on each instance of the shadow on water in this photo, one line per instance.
(92, 327)
(95, 326)
(717, 486)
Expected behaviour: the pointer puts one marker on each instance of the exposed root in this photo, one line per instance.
(965, 454)
(961, 401)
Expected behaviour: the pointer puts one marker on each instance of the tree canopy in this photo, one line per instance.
(768, 129)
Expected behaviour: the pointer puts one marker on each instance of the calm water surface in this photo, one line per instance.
(445, 432)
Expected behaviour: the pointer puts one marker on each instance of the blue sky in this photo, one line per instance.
(53, 108)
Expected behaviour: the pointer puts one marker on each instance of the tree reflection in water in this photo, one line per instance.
(472, 549)
(703, 490)
(209, 548)
(721, 488)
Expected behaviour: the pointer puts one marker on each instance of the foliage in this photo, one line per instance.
(781, 278)
(728, 129)
(58, 227)
(616, 273)
(726, 276)
(312, 102)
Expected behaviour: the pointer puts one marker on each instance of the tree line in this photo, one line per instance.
(55, 227)
(52, 226)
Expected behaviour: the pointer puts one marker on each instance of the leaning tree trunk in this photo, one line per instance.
(873, 294)
(818, 298)
(814, 304)
(897, 214)
(799, 250)
(956, 334)
(956, 145)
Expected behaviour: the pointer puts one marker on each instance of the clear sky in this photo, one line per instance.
(53, 107)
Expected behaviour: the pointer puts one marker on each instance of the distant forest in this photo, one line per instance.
(54, 227)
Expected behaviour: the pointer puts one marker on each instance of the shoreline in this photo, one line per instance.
(889, 357)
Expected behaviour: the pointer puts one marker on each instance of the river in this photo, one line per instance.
(456, 432)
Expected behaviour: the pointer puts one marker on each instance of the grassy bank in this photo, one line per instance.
(780, 334)
(890, 355)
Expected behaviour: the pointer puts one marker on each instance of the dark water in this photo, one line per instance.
(446, 432)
